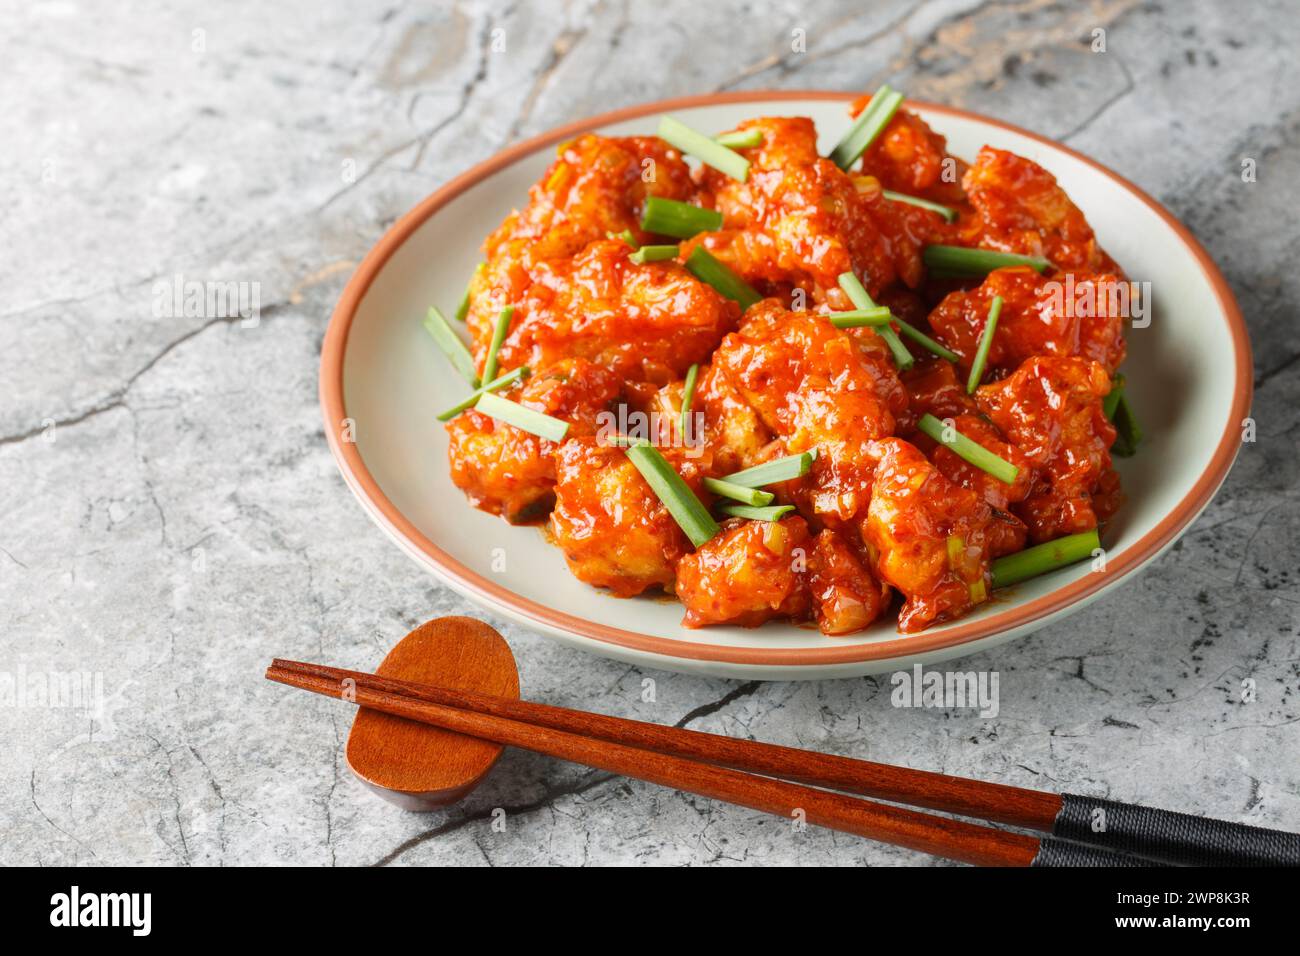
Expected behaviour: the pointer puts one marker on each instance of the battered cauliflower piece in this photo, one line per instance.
(1037, 318)
(748, 573)
(648, 322)
(734, 431)
(812, 387)
(798, 216)
(509, 472)
(909, 157)
(597, 186)
(613, 529)
(929, 536)
(846, 595)
(933, 388)
(1051, 410)
(1018, 207)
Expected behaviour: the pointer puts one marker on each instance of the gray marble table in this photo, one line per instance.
(170, 516)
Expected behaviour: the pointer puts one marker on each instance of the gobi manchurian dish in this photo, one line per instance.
(782, 385)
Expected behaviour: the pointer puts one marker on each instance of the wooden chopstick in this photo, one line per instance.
(939, 836)
(995, 802)
(1128, 829)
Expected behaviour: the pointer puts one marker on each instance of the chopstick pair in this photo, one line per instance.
(1078, 831)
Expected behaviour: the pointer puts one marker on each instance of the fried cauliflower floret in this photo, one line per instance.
(1051, 410)
(1018, 207)
(733, 429)
(597, 186)
(510, 472)
(812, 387)
(613, 529)
(909, 157)
(1040, 316)
(748, 573)
(933, 388)
(846, 595)
(797, 218)
(929, 536)
(649, 322)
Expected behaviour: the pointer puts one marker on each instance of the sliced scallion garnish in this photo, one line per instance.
(654, 254)
(498, 336)
(708, 151)
(861, 299)
(705, 267)
(693, 518)
(968, 450)
(740, 139)
(1111, 401)
(1041, 558)
(948, 213)
(521, 417)
(688, 396)
(962, 261)
(986, 343)
(741, 493)
(772, 472)
(773, 513)
(1127, 431)
(869, 124)
(495, 385)
(923, 340)
(668, 217)
(462, 309)
(451, 344)
(856, 318)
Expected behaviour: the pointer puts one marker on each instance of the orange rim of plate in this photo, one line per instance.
(386, 513)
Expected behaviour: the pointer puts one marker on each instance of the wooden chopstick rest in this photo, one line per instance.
(417, 766)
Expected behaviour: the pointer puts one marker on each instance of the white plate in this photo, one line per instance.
(382, 382)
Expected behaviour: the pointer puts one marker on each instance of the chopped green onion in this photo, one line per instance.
(451, 344)
(654, 254)
(1127, 430)
(867, 126)
(688, 396)
(709, 270)
(676, 495)
(972, 452)
(877, 315)
(1041, 558)
(746, 496)
(521, 417)
(774, 471)
(961, 261)
(948, 213)
(498, 336)
(668, 217)
(859, 296)
(986, 343)
(708, 151)
(1111, 401)
(774, 513)
(462, 310)
(923, 340)
(497, 383)
(625, 235)
(740, 139)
